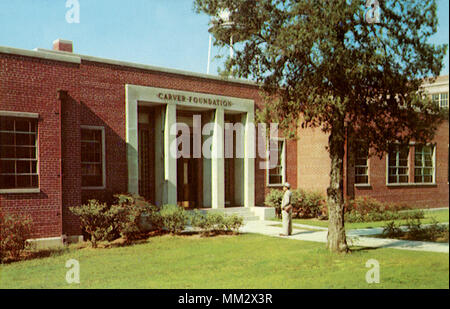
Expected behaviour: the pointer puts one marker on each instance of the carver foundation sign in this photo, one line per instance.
(193, 99)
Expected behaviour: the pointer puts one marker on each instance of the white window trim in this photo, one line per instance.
(439, 101)
(411, 182)
(25, 190)
(434, 166)
(102, 129)
(283, 163)
(409, 170)
(364, 185)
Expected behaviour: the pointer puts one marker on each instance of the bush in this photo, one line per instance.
(99, 220)
(307, 204)
(356, 216)
(174, 218)
(14, 232)
(428, 233)
(135, 216)
(392, 231)
(415, 231)
(365, 205)
(273, 199)
(233, 223)
(212, 222)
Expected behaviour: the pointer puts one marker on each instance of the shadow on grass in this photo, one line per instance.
(35, 254)
(362, 249)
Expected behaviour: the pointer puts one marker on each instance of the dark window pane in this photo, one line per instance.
(7, 182)
(24, 181)
(26, 153)
(23, 167)
(23, 125)
(25, 139)
(7, 152)
(7, 139)
(6, 124)
(91, 181)
(7, 167)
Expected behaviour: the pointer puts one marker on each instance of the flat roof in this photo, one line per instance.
(62, 56)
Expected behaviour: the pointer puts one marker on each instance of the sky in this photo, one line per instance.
(163, 33)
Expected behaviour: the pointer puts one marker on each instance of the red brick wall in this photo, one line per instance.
(313, 161)
(30, 85)
(414, 195)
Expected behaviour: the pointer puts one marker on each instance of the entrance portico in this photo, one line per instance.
(165, 108)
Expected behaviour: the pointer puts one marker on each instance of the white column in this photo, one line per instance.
(218, 161)
(131, 124)
(249, 160)
(170, 160)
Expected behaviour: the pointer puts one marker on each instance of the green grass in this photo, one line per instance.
(438, 215)
(245, 261)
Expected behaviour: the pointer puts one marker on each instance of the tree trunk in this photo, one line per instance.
(336, 241)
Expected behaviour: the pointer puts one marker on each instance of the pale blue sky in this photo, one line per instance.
(165, 33)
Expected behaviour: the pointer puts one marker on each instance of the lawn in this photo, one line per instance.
(438, 215)
(245, 261)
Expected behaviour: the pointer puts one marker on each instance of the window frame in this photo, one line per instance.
(439, 98)
(102, 129)
(398, 166)
(433, 149)
(365, 166)
(28, 116)
(283, 162)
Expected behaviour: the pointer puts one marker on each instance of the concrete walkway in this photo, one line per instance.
(354, 237)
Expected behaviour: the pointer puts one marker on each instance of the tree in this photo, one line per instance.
(349, 75)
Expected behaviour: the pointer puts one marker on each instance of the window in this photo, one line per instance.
(441, 98)
(92, 157)
(18, 153)
(398, 171)
(424, 164)
(361, 166)
(276, 175)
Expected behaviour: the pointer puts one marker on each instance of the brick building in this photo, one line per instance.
(76, 127)
(417, 175)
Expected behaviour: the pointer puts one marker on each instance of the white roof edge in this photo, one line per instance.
(63, 41)
(38, 54)
(71, 57)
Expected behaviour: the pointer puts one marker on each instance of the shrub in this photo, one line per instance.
(392, 231)
(212, 222)
(14, 232)
(233, 223)
(415, 231)
(307, 204)
(365, 205)
(99, 220)
(273, 199)
(428, 233)
(355, 216)
(174, 218)
(135, 216)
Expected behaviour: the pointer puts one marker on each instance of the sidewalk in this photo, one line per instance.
(354, 237)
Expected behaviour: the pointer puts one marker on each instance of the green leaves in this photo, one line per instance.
(322, 60)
